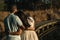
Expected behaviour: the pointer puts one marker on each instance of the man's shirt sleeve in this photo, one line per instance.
(19, 22)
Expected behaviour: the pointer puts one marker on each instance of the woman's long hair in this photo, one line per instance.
(23, 18)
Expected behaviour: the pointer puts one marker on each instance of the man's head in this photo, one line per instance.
(13, 9)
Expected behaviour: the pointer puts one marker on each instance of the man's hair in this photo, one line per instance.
(12, 7)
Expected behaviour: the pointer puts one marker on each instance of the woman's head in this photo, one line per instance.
(23, 18)
(27, 15)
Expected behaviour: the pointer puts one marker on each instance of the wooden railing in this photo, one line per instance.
(43, 28)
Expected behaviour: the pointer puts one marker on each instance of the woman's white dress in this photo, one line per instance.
(29, 34)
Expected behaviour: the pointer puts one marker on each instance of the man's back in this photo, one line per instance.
(10, 23)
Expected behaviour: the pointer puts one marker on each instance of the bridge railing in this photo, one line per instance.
(45, 27)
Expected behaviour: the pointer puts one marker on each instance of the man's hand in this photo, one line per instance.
(31, 28)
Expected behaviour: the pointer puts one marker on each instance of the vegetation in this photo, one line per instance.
(34, 4)
(2, 5)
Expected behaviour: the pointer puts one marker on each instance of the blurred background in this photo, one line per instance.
(40, 10)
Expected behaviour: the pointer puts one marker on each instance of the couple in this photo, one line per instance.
(19, 26)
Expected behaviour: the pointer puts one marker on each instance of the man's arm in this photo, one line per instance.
(19, 31)
(31, 28)
(20, 27)
(19, 23)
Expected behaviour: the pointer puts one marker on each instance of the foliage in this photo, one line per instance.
(1, 5)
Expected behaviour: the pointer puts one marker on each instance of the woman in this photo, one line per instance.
(23, 18)
(29, 33)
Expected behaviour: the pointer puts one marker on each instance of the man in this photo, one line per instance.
(13, 25)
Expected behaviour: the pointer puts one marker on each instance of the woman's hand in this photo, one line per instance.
(18, 32)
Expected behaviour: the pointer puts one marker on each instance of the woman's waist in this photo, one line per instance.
(30, 28)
